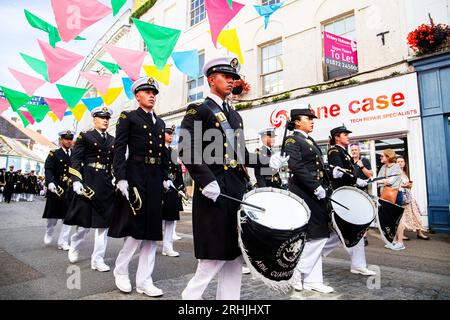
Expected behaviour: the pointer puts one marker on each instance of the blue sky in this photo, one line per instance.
(18, 36)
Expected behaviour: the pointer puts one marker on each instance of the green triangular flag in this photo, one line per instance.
(38, 23)
(16, 98)
(72, 95)
(37, 65)
(24, 120)
(230, 3)
(38, 112)
(117, 5)
(112, 67)
(160, 41)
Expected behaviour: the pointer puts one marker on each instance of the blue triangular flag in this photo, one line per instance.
(127, 83)
(187, 62)
(267, 11)
(92, 103)
(68, 113)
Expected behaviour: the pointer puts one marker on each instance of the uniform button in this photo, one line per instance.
(225, 145)
(150, 134)
(160, 136)
(160, 145)
(159, 154)
(151, 142)
(239, 145)
(310, 149)
(99, 150)
(151, 151)
(106, 171)
(317, 162)
(98, 157)
(225, 168)
(226, 156)
(95, 143)
(107, 158)
(145, 126)
(60, 160)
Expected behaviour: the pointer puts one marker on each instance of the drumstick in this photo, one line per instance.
(381, 178)
(239, 201)
(345, 171)
(328, 198)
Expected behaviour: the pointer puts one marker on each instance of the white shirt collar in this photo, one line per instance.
(101, 133)
(216, 99)
(302, 132)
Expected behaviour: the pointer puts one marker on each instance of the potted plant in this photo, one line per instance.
(429, 38)
(240, 87)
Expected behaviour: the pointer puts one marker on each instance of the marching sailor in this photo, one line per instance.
(93, 198)
(265, 177)
(57, 178)
(9, 184)
(140, 180)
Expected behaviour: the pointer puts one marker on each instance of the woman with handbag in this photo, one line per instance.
(411, 219)
(390, 189)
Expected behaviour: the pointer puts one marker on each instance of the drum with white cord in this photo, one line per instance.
(388, 216)
(272, 241)
(352, 224)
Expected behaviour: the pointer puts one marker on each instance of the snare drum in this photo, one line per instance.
(352, 224)
(389, 216)
(272, 241)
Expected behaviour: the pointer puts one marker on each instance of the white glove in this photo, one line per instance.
(212, 191)
(78, 187)
(337, 174)
(167, 184)
(320, 193)
(182, 194)
(122, 185)
(277, 161)
(51, 187)
(361, 183)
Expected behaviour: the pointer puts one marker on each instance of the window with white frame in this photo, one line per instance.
(197, 12)
(343, 27)
(195, 86)
(269, 2)
(272, 68)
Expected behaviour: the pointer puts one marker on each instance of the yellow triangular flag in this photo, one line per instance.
(160, 75)
(229, 39)
(78, 111)
(111, 95)
(53, 116)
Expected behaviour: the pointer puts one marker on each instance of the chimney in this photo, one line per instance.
(39, 131)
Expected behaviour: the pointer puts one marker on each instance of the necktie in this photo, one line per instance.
(104, 136)
(225, 109)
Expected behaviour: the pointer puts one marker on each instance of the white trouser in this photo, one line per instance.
(64, 233)
(100, 241)
(229, 279)
(146, 260)
(310, 264)
(357, 253)
(30, 197)
(169, 227)
(1, 197)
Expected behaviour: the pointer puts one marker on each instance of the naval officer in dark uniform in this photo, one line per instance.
(140, 180)
(340, 160)
(91, 173)
(216, 167)
(266, 176)
(57, 180)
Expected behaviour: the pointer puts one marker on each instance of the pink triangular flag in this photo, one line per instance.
(219, 14)
(29, 84)
(4, 105)
(73, 16)
(100, 82)
(58, 106)
(129, 60)
(59, 61)
(28, 116)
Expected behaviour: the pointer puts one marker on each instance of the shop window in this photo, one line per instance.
(269, 2)
(195, 86)
(198, 12)
(272, 68)
(343, 27)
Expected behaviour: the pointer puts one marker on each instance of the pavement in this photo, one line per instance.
(31, 270)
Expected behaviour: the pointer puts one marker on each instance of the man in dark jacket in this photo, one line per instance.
(91, 170)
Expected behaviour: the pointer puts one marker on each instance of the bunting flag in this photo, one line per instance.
(72, 95)
(117, 5)
(4, 105)
(112, 67)
(73, 16)
(229, 39)
(68, 113)
(127, 83)
(230, 4)
(38, 112)
(92, 103)
(29, 84)
(160, 41)
(15, 98)
(52, 116)
(28, 116)
(219, 15)
(160, 75)
(111, 95)
(38, 23)
(59, 61)
(37, 65)
(267, 11)
(129, 60)
(24, 119)
(187, 62)
(101, 83)
(58, 107)
(78, 111)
